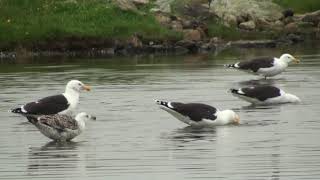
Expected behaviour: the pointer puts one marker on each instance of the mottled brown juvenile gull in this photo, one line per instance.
(61, 127)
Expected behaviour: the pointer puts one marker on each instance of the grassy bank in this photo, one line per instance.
(300, 6)
(25, 21)
(33, 22)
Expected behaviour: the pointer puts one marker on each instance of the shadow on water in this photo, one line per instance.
(257, 107)
(55, 145)
(189, 134)
(53, 155)
(258, 111)
(265, 122)
(258, 82)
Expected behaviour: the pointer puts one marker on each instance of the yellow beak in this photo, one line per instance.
(297, 61)
(87, 88)
(236, 120)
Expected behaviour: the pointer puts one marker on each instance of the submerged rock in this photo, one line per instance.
(295, 38)
(188, 44)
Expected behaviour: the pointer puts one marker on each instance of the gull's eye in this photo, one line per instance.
(79, 84)
(87, 116)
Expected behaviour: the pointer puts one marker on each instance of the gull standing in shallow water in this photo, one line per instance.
(64, 103)
(60, 127)
(266, 67)
(264, 95)
(199, 115)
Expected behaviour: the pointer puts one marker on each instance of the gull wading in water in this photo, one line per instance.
(61, 127)
(264, 95)
(266, 66)
(64, 103)
(199, 115)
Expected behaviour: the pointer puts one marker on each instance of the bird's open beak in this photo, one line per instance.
(93, 118)
(236, 119)
(297, 61)
(87, 88)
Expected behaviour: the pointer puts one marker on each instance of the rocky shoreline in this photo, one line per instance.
(107, 48)
(192, 20)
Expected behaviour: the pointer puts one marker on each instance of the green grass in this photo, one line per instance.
(300, 6)
(28, 21)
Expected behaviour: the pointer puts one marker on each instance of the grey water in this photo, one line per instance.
(134, 139)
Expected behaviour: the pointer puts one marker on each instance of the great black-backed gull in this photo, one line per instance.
(60, 127)
(64, 103)
(264, 95)
(266, 67)
(199, 115)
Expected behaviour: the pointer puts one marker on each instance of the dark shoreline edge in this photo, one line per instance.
(77, 47)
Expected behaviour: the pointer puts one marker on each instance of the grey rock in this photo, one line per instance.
(288, 20)
(125, 5)
(250, 25)
(163, 6)
(279, 23)
(140, 2)
(176, 25)
(291, 27)
(252, 9)
(192, 35)
(313, 17)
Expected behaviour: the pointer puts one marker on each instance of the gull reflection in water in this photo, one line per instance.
(53, 158)
(259, 82)
(189, 134)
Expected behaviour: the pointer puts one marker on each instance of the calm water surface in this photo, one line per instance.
(133, 139)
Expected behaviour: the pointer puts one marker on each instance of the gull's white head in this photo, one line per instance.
(230, 117)
(77, 86)
(84, 117)
(292, 98)
(289, 58)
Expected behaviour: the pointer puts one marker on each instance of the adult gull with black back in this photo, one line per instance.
(199, 115)
(64, 103)
(265, 66)
(264, 95)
